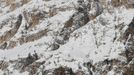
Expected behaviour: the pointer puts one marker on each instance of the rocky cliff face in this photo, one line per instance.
(66, 37)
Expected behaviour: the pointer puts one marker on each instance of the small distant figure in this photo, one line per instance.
(35, 55)
(29, 56)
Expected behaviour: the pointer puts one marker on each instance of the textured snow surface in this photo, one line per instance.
(80, 47)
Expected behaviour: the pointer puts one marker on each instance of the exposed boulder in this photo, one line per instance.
(3, 46)
(128, 36)
(63, 71)
(3, 65)
(55, 46)
(127, 3)
(33, 37)
(9, 34)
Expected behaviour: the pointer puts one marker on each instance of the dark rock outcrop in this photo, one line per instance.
(9, 34)
(129, 43)
(79, 19)
(63, 71)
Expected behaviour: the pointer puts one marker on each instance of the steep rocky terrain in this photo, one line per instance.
(66, 37)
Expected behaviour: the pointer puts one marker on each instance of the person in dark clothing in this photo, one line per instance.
(35, 55)
(29, 59)
(29, 56)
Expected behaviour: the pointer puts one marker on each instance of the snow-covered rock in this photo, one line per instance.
(66, 37)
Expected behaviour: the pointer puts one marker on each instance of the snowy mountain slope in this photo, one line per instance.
(65, 37)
